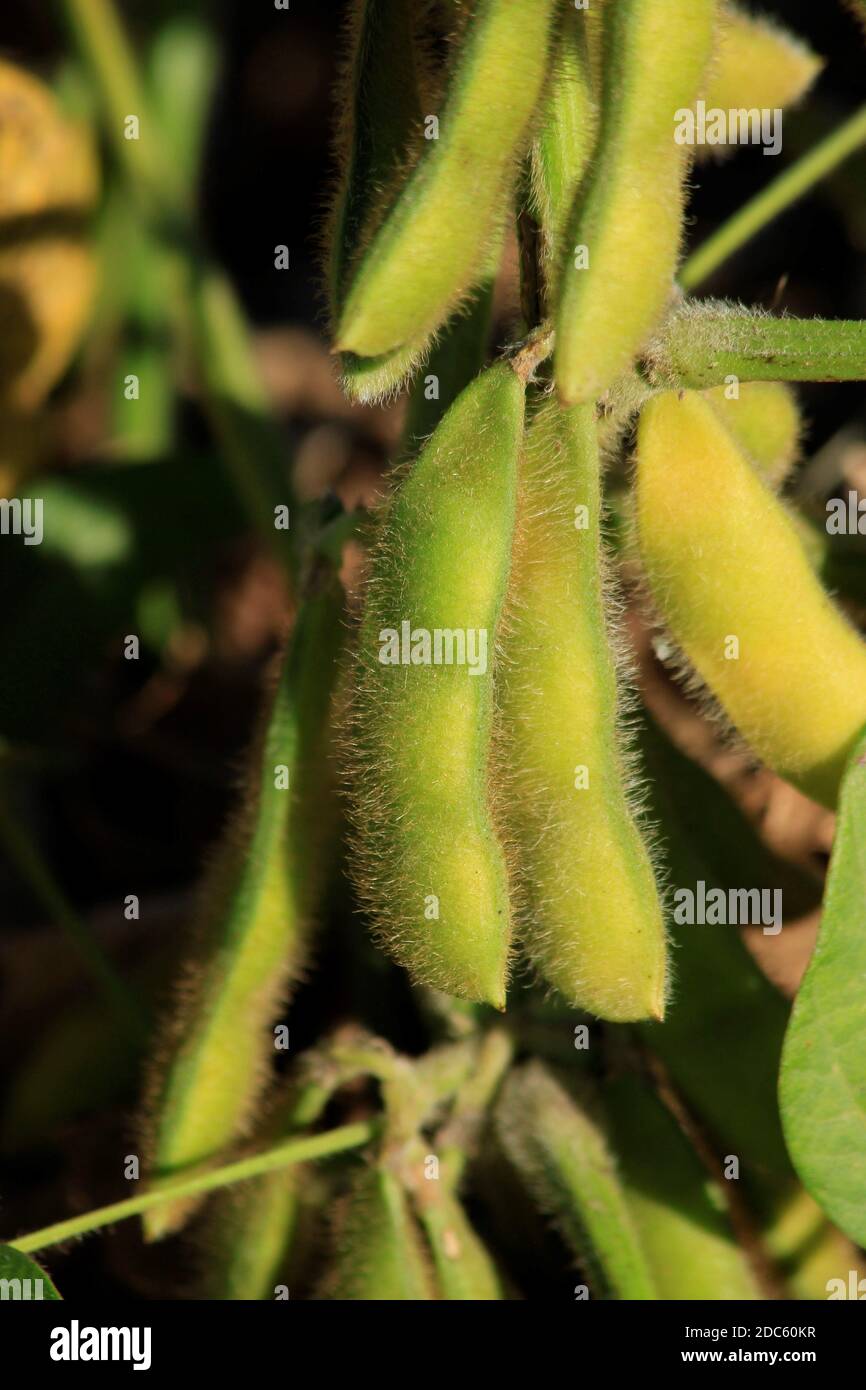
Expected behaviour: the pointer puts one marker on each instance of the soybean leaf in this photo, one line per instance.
(22, 1278)
(822, 1087)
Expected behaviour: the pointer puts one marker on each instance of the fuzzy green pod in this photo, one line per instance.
(379, 1253)
(254, 920)
(463, 1266)
(560, 1151)
(764, 418)
(427, 861)
(593, 921)
(731, 581)
(680, 1213)
(624, 233)
(756, 63)
(563, 147)
(248, 1237)
(433, 245)
(261, 1239)
(381, 116)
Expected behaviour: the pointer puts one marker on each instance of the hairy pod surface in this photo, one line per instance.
(731, 581)
(254, 922)
(593, 921)
(49, 182)
(624, 232)
(764, 418)
(381, 117)
(561, 1153)
(249, 1234)
(756, 64)
(680, 1214)
(565, 141)
(379, 1251)
(433, 245)
(464, 1268)
(427, 860)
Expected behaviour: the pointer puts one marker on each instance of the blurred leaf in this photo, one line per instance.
(680, 1213)
(183, 69)
(109, 534)
(722, 1035)
(823, 1078)
(22, 1271)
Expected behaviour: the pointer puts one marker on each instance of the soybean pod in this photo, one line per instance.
(560, 1150)
(624, 233)
(680, 1213)
(381, 119)
(433, 244)
(253, 922)
(730, 580)
(592, 920)
(756, 64)
(563, 147)
(249, 1235)
(764, 418)
(427, 860)
(379, 1253)
(464, 1268)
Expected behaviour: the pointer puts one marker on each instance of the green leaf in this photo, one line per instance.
(22, 1278)
(822, 1087)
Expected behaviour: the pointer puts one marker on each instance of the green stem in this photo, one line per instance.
(35, 872)
(458, 1138)
(709, 342)
(790, 185)
(281, 1156)
(98, 34)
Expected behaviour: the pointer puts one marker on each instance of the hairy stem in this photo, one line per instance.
(281, 1156)
(710, 342)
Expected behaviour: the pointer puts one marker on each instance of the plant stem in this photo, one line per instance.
(35, 872)
(100, 38)
(790, 185)
(281, 1156)
(709, 342)
(458, 1138)
(534, 350)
